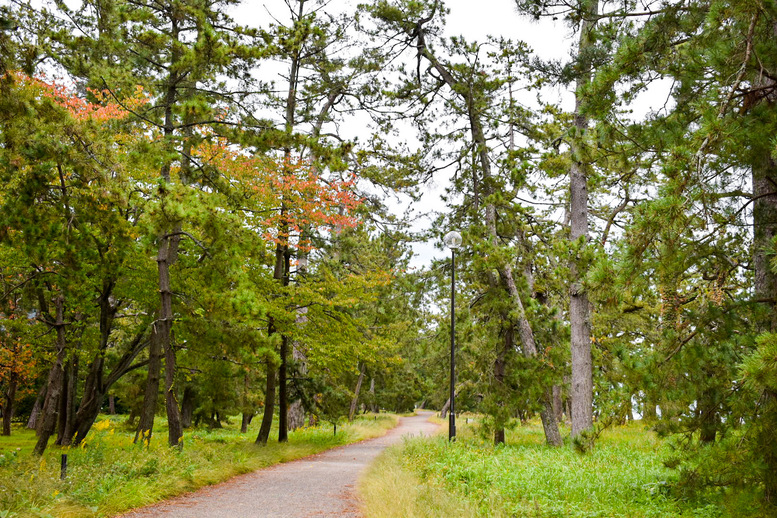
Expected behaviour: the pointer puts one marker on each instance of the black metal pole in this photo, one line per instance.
(452, 409)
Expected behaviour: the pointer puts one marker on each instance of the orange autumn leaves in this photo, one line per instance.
(290, 193)
(80, 109)
(284, 196)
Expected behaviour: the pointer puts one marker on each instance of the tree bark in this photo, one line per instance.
(68, 403)
(245, 421)
(581, 391)
(764, 177)
(499, 369)
(283, 394)
(548, 417)
(96, 386)
(373, 403)
(558, 403)
(151, 394)
(296, 414)
(32, 422)
(9, 402)
(187, 407)
(445, 408)
(50, 411)
(355, 400)
(764, 174)
(269, 405)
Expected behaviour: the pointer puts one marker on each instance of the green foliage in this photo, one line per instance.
(108, 474)
(623, 476)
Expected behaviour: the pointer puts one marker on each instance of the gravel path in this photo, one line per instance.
(320, 485)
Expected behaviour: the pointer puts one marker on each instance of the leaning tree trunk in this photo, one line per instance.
(477, 133)
(151, 394)
(445, 409)
(269, 405)
(373, 402)
(68, 403)
(355, 400)
(32, 422)
(50, 411)
(548, 417)
(96, 385)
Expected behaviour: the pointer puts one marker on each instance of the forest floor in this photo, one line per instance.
(321, 485)
(108, 474)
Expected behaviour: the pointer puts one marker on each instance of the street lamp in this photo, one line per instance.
(453, 240)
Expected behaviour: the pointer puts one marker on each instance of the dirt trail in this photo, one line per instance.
(320, 485)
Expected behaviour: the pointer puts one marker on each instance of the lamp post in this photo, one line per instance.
(453, 240)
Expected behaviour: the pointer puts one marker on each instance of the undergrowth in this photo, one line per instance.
(108, 474)
(622, 476)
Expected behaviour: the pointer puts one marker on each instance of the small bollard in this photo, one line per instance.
(335, 429)
(63, 469)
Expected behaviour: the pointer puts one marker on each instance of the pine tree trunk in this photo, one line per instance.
(558, 403)
(245, 421)
(355, 400)
(151, 395)
(708, 416)
(187, 407)
(581, 391)
(499, 369)
(50, 411)
(111, 404)
(445, 408)
(296, 417)
(68, 404)
(95, 386)
(764, 177)
(373, 402)
(9, 401)
(529, 347)
(283, 395)
(269, 406)
(32, 422)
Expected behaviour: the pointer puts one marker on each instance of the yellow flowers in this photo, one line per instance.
(102, 425)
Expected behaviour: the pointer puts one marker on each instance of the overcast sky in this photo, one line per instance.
(475, 20)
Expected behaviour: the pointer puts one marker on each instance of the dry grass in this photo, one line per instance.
(390, 490)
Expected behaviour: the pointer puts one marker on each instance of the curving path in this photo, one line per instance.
(320, 485)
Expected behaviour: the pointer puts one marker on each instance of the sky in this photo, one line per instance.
(475, 20)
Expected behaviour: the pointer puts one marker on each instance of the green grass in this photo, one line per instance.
(108, 474)
(622, 477)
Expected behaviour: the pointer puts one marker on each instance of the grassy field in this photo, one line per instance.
(108, 474)
(623, 476)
